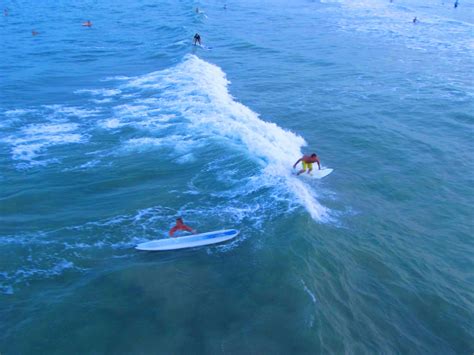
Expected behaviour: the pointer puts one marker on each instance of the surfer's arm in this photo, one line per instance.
(172, 230)
(319, 165)
(294, 165)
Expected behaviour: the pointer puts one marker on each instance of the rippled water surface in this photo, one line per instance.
(108, 133)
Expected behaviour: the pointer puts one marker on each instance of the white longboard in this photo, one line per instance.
(317, 174)
(190, 241)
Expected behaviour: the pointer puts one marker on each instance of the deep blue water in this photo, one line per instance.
(108, 133)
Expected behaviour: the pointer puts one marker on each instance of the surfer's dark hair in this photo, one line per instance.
(313, 155)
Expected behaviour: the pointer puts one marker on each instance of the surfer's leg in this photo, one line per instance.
(304, 165)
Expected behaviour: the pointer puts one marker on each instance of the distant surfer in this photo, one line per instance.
(34, 33)
(197, 39)
(456, 4)
(307, 161)
(88, 23)
(415, 20)
(180, 226)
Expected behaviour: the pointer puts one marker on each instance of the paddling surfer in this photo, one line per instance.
(180, 226)
(307, 161)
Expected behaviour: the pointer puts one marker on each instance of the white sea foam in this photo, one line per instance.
(49, 129)
(101, 101)
(85, 166)
(111, 123)
(19, 112)
(144, 142)
(33, 139)
(116, 78)
(99, 92)
(181, 145)
(67, 111)
(308, 291)
(27, 273)
(197, 90)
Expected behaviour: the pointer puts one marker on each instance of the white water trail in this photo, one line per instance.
(198, 90)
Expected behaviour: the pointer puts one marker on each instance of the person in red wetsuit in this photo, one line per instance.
(180, 226)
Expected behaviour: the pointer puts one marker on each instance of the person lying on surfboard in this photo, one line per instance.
(307, 162)
(180, 226)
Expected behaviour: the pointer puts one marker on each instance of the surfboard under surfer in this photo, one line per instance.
(180, 226)
(307, 162)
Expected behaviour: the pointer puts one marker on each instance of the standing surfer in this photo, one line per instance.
(307, 162)
(197, 39)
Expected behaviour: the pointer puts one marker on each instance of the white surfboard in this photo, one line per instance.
(203, 47)
(318, 174)
(190, 241)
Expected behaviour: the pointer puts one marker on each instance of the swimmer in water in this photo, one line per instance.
(34, 33)
(88, 23)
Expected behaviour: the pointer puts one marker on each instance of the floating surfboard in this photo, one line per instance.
(191, 241)
(317, 174)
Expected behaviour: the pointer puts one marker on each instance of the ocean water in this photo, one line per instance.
(108, 133)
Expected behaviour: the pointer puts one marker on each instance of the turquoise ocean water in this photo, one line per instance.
(108, 133)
